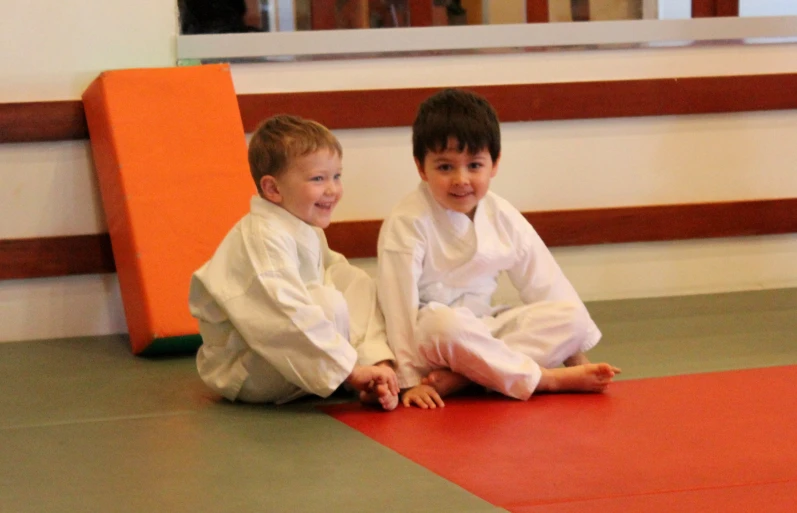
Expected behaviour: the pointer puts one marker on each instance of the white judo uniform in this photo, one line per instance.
(280, 314)
(438, 271)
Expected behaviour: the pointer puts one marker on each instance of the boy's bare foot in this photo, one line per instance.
(592, 377)
(446, 381)
(577, 359)
(380, 395)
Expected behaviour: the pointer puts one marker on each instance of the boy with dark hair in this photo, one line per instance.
(280, 314)
(440, 253)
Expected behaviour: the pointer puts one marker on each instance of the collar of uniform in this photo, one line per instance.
(457, 223)
(303, 233)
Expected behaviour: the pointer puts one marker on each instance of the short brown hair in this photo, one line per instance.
(281, 138)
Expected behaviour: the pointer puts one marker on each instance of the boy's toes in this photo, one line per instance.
(389, 402)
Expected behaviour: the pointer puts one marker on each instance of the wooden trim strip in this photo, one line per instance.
(727, 7)
(665, 222)
(537, 11)
(538, 102)
(375, 108)
(714, 8)
(55, 256)
(91, 254)
(42, 121)
(421, 13)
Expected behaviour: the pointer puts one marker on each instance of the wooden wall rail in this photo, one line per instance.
(373, 108)
(55, 256)
(91, 254)
(42, 121)
(539, 102)
(537, 11)
(714, 8)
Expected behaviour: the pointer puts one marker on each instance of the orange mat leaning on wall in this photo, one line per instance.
(170, 154)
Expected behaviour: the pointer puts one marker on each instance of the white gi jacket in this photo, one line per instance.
(430, 254)
(257, 298)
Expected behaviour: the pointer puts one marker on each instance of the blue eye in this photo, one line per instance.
(338, 177)
(317, 179)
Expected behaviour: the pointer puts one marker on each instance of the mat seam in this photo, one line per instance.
(660, 492)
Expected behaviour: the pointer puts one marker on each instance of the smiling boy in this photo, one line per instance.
(440, 253)
(280, 314)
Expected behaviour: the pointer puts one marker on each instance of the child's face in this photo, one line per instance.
(458, 180)
(309, 188)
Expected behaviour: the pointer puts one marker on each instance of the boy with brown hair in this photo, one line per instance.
(281, 315)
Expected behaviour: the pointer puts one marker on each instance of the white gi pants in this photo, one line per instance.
(348, 299)
(503, 353)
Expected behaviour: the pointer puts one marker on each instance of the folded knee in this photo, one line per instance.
(439, 325)
(577, 319)
(563, 316)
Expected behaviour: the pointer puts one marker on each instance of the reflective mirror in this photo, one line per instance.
(239, 16)
(264, 30)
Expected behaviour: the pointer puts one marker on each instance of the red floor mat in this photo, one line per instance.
(683, 443)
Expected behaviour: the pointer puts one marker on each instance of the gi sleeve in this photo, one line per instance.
(367, 324)
(400, 260)
(535, 274)
(277, 318)
(538, 277)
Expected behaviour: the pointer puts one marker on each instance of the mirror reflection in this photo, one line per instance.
(237, 16)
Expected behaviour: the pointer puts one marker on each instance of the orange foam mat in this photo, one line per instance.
(170, 153)
(664, 444)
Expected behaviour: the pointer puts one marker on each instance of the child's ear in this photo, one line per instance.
(270, 189)
(495, 166)
(419, 165)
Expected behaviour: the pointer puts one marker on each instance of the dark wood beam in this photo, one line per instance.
(374, 108)
(42, 121)
(55, 256)
(537, 11)
(91, 254)
(714, 8)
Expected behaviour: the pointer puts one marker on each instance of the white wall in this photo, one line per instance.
(675, 9)
(52, 50)
(767, 7)
(49, 188)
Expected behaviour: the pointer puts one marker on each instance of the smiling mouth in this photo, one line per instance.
(325, 206)
(460, 195)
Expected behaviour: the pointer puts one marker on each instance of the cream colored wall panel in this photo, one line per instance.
(378, 170)
(648, 161)
(535, 67)
(60, 307)
(767, 8)
(49, 189)
(52, 50)
(675, 9)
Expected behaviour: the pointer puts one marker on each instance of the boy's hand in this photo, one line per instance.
(368, 377)
(422, 396)
(380, 395)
